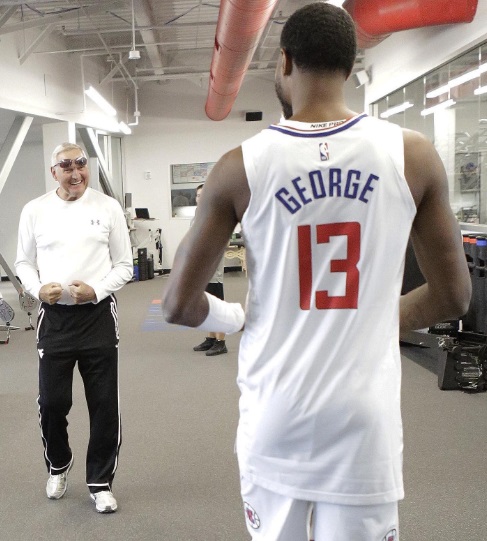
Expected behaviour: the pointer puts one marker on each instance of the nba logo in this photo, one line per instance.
(324, 154)
(391, 536)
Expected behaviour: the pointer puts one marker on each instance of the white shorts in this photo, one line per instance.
(272, 517)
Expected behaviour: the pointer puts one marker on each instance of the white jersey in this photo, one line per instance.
(326, 231)
(86, 239)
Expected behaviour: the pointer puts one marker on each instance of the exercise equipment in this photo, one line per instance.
(463, 362)
(27, 301)
(6, 315)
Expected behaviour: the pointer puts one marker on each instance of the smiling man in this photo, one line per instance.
(73, 253)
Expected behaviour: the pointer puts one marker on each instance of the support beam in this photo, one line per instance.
(11, 146)
(39, 39)
(58, 18)
(90, 140)
(7, 14)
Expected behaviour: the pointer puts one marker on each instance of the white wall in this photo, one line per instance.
(51, 86)
(405, 56)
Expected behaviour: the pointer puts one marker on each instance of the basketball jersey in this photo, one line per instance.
(326, 231)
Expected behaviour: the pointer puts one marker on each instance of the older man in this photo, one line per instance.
(73, 254)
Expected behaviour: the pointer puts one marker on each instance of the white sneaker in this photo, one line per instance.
(57, 484)
(104, 501)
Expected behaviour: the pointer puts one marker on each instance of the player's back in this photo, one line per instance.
(319, 367)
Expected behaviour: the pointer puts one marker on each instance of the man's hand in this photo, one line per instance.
(81, 292)
(50, 292)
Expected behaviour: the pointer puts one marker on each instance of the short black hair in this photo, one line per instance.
(321, 37)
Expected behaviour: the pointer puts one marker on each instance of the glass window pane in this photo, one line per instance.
(449, 106)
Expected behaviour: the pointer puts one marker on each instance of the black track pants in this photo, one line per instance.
(98, 367)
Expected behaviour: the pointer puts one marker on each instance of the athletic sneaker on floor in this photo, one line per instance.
(104, 501)
(205, 345)
(58, 484)
(217, 348)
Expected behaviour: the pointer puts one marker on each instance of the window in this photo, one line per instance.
(449, 106)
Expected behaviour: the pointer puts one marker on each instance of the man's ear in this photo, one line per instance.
(53, 173)
(287, 63)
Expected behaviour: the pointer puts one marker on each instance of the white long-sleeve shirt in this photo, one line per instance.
(61, 241)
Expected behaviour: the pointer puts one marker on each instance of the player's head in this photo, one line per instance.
(320, 37)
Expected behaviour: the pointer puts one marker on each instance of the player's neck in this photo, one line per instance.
(320, 102)
(331, 113)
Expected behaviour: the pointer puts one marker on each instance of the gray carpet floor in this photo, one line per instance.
(178, 477)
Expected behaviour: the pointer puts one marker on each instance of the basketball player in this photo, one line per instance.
(327, 200)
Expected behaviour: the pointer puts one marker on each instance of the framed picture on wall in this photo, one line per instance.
(193, 173)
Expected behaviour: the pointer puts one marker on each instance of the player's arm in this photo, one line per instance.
(223, 201)
(437, 242)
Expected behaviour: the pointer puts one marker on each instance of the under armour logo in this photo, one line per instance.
(41, 353)
(93, 222)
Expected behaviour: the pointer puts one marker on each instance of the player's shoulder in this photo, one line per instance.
(419, 152)
(416, 141)
(232, 159)
(424, 169)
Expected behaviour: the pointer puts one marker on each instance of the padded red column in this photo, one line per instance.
(376, 19)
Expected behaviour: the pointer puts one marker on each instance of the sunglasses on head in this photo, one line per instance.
(67, 163)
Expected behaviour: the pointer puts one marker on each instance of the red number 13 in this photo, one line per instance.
(324, 301)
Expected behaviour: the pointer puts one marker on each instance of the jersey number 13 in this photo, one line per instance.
(324, 301)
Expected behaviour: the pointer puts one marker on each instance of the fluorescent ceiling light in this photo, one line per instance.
(338, 3)
(438, 107)
(124, 128)
(438, 91)
(480, 90)
(457, 81)
(397, 109)
(100, 101)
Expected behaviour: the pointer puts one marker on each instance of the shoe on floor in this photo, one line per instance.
(104, 501)
(206, 345)
(58, 484)
(217, 348)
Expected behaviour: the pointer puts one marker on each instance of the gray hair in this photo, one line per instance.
(63, 147)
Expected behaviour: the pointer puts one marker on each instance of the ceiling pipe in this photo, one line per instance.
(377, 19)
(239, 29)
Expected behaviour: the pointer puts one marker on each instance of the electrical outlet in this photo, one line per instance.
(147, 175)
